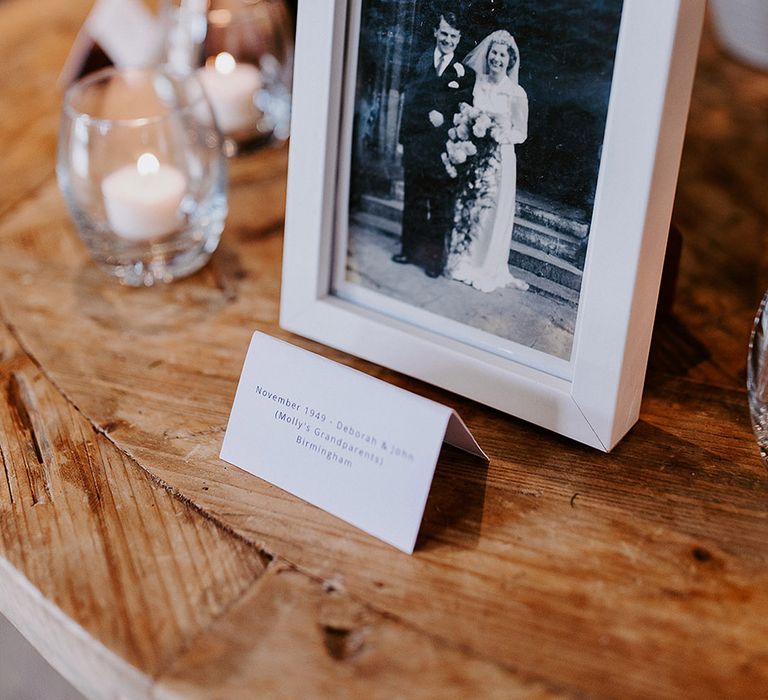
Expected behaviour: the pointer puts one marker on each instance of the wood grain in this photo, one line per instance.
(553, 571)
(133, 564)
(343, 649)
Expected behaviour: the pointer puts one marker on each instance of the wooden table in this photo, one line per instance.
(142, 566)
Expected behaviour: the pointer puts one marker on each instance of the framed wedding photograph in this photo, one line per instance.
(480, 192)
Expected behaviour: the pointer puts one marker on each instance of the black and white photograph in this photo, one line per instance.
(475, 147)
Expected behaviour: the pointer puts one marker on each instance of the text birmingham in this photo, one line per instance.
(333, 456)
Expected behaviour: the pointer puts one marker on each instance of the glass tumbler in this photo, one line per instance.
(142, 170)
(242, 52)
(757, 377)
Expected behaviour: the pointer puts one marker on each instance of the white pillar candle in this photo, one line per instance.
(231, 88)
(142, 200)
(742, 26)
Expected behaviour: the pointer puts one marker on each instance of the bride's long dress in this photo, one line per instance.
(484, 264)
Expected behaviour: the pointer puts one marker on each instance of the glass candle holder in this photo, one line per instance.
(757, 377)
(742, 27)
(143, 173)
(242, 52)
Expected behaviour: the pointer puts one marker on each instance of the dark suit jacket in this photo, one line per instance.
(423, 144)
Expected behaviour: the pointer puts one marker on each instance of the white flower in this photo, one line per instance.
(456, 152)
(460, 70)
(452, 172)
(485, 121)
(436, 119)
(452, 133)
(462, 132)
(500, 134)
(454, 85)
(469, 148)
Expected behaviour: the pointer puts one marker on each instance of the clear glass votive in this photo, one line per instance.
(242, 52)
(757, 377)
(143, 172)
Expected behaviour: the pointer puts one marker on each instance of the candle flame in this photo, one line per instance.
(147, 164)
(224, 63)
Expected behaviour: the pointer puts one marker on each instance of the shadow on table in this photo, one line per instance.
(454, 510)
(164, 308)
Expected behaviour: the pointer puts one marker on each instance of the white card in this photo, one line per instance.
(355, 446)
(127, 31)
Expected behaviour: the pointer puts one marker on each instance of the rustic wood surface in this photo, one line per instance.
(142, 566)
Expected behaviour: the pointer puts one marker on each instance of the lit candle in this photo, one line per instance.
(142, 200)
(231, 88)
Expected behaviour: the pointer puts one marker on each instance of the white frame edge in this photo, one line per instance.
(653, 78)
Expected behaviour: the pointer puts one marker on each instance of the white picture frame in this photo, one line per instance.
(597, 400)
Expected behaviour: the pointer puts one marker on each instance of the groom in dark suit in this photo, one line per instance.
(438, 84)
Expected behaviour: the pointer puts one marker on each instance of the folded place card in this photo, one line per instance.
(355, 446)
(127, 32)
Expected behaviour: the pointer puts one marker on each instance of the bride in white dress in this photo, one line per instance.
(484, 263)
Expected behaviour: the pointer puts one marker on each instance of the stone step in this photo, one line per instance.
(545, 265)
(555, 217)
(551, 276)
(561, 245)
(528, 209)
(380, 223)
(547, 288)
(391, 209)
(531, 233)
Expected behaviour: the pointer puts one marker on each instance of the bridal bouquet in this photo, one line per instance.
(472, 156)
(472, 140)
